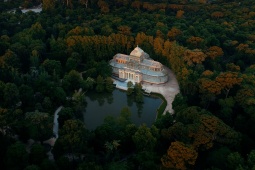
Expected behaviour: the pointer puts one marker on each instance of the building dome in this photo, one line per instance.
(138, 52)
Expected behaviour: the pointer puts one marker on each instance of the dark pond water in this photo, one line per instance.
(101, 105)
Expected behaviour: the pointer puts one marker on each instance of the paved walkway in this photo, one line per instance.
(168, 89)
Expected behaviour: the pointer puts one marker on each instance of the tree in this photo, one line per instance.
(194, 56)
(89, 83)
(52, 66)
(100, 84)
(36, 31)
(138, 93)
(17, 156)
(234, 160)
(104, 7)
(64, 115)
(130, 89)
(251, 159)
(40, 125)
(179, 14)
(214, 52)
(124, 118)
(124, 29)
(11, 94)
(109, 84)
(174, 33)
(2, 87)
(179, 156)
(195, 42)
(72, 135)
(11, 59)
(34, 59)
(37, 154)
(144, 139)
(48, 4)
(227, 80)
(217, 14)
(72, 81)
(158, 45)
(26, 95)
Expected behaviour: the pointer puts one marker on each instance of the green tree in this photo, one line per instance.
(40, 125)
(37, 154)
(2, 87)
(36, 31)
(130, 89)
(251, 159)
(11, 59)
(11, 94)
(64, 115)
(26, 95)
(138, 93)
(73, 135)
(72, 81)
(109, 84)
(144, 139)
(52, 66)
(100, 84)
(234, 160)
(17, 156)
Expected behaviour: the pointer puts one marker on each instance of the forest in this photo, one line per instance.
(46, 57)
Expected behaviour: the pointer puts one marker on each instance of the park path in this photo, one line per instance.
(168, 89)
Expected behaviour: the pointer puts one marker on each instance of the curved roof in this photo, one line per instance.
(138, 52)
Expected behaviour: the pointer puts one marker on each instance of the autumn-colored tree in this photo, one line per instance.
(48, 4)
(173, 33)
(175, 7)
(148, 6)
(208, 85)
(195, 56)
(217, 14)
(124, 29)
(176, 58)
(142, 37)
(158, 45)
(103, 5)
(84, 2)
(214, 52)
(81, 31)
(167, 48)
(179, 14)
(242, 47)
(136, 4)
(179, 156)
(202, 1)
(195, 42)
(227, 80)
(232, 67)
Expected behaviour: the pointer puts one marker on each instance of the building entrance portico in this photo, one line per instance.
(130, 75)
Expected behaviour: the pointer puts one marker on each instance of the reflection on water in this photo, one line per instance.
(101, 105)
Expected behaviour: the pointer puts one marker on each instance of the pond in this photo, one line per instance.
(100, 106)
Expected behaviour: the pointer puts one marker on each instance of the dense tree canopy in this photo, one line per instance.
(54, 57)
